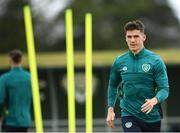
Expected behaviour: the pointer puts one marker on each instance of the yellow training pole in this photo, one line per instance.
(88, 48)
(70, 71)
(33, 69)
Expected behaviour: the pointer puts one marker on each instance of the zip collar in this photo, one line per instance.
(138, 55)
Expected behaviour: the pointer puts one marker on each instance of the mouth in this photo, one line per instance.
(133, 45)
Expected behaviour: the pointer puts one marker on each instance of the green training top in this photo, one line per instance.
(142, 76)
(15, 91)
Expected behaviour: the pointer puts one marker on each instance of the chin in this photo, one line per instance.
(134, 49)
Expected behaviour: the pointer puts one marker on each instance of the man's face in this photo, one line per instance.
(135, 40)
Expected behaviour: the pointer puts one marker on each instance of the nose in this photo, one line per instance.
(132, 39)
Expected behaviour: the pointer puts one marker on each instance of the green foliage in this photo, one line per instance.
(12, 33)
(109, 17)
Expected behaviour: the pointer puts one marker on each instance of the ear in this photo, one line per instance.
(144, 37)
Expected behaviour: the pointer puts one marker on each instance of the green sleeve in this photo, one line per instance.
(161, 80)
(114, 81)
(2, 93)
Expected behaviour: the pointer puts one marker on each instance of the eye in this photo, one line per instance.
(136, 36)
(129, 36)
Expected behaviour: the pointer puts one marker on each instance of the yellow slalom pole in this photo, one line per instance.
(88, 52)
(33, 69)
(70, 71)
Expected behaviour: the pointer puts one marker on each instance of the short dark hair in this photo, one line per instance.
(16, 55)
(134, 25)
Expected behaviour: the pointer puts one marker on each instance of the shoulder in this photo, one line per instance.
(26, 72)
(156, 60)
(118, 61)
(5, 76)
(121, 57)
(153, 55)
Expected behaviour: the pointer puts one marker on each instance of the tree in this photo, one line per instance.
(109, 17)
(12, 33)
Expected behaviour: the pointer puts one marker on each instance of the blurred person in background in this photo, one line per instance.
(144, 84)
(15, 96)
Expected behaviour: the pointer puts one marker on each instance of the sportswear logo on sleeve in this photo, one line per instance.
(124, 68)
(146, 67)
(128, 124)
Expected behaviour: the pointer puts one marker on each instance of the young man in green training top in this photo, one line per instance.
(144, 81)
(15, 96)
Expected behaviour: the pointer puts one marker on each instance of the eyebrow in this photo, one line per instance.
(132, 35)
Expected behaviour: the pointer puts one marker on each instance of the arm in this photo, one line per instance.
(161, 80)
(114, 80)
(162, 92)
(2, 95)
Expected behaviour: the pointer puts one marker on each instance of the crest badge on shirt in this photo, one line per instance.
(146, 67)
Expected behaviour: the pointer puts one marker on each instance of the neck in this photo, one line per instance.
(136, 52)
(15, 65)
